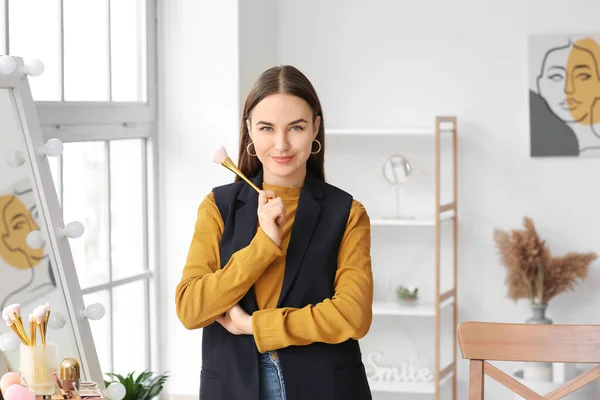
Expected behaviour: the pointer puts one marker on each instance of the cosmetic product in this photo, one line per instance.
(57, 380)
(11, 315)
(221, 157)
(36, 364)
(89, 390)
(88, 385)
(61, 392)
(70, 374)
(41, 315)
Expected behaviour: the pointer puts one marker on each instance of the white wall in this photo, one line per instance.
(209, 55)
(378, 64)
(389, 63)
(258, 41)
(198, 111)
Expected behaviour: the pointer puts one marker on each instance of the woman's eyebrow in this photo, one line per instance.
(291, 123)
(298, 121)
(17, 216)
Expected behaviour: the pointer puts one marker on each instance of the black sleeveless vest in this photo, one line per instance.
(317, 371)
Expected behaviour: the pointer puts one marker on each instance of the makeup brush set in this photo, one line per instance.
(38, 321)
(37, 360)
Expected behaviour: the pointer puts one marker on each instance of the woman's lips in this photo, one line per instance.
(282, 159)
(569, 103)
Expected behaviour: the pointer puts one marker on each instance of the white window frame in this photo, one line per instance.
(62, 113)
(77, 121)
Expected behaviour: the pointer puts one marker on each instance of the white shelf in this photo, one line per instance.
(423, 309)
(407, 387)
(417, 221)
(385, 132)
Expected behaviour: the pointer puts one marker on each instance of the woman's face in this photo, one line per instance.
(570, 84)
(15, 224)
(282, 130)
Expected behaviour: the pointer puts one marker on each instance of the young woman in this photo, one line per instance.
(280, 280)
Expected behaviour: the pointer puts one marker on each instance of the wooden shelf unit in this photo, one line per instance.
(445, 127)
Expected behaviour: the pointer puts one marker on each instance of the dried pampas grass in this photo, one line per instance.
(532, 272)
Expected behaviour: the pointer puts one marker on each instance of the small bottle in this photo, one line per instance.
(70, 374)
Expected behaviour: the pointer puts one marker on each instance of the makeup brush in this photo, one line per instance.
(7, 317)
(32, 330)
(47, 308)
(15, 310)
(40, 315)
(220, 157)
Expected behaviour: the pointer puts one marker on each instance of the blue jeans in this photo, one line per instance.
(271, 378)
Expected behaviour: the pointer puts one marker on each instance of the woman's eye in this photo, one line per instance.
(18, 226)
(265, 128)
(297, 128)
(556, 77)
(584, 77)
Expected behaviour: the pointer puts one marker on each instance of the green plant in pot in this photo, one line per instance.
(145, 386)
(407, 294)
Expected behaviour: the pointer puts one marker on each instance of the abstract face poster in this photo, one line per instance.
(564, 95)
(26, 273)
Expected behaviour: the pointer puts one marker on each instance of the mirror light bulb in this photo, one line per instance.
(35, 240)
(53, 148)
(116, 391)
(57, 320)
(94, 311)
(16, 159)
(9, 342)
(7, 65)
(73, 230)
(34, 67)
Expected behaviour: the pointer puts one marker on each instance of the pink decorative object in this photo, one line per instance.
(8, 379)
(18, 392)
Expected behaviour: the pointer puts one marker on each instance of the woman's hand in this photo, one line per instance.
(236, 321)
(271, 215)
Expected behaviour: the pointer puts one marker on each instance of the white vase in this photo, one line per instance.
(538, 371)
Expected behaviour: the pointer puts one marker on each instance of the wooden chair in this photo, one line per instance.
(483, 341)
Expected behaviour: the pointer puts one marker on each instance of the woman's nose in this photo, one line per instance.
(281, 141)
(569, 85)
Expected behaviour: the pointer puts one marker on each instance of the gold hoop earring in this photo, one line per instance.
(319, 143)
(248, 149)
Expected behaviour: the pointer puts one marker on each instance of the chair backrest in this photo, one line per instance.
(490, 341)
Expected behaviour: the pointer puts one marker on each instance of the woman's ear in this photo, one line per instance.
(317, 126)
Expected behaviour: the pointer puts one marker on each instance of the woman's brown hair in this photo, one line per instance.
(283, 79)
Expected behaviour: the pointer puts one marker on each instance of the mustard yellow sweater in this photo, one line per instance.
(206, 291)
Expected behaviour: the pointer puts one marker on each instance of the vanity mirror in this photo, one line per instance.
(36, 265)
(397, 170)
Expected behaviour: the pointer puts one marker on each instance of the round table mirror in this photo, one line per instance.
(397, 169)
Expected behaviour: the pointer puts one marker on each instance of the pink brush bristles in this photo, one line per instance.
(7, 315)
(220, 155)
(12, 316)
(40, 314)
(15, 308)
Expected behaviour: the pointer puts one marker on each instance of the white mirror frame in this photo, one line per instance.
(51, 216)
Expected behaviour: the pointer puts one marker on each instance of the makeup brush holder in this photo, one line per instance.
(38, 365)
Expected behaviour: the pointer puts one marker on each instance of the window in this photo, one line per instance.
(97, 94)
(98, 57)
(103, 186)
